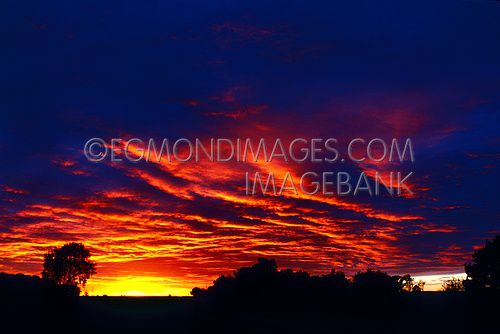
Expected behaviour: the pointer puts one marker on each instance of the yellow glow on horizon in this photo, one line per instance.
(135, 286)
(161, 286)
(435, 282)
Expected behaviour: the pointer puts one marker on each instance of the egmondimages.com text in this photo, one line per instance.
(371, 162)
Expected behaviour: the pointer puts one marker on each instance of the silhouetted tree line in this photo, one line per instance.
(263, 297)
(268, 300)
(264, 285)
(263, 280)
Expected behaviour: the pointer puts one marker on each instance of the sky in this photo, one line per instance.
(76, 70)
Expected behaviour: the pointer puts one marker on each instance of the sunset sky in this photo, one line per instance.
(183, 69)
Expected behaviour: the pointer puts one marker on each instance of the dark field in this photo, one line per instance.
(427, 312)
(250, 303)
(135, 314)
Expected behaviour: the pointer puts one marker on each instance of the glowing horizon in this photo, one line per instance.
(152, 286)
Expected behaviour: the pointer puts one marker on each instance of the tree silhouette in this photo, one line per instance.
(484, 272)
(419, 287)
(69, 264)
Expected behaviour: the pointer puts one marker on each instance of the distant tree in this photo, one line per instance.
(484, 272)
(69, 264)
(419, 287)
(453, 285)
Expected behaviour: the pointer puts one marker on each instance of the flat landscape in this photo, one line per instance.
(419, 312)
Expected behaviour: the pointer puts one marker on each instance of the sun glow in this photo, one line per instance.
(159, 286)
(135, 286)
(435, 282)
